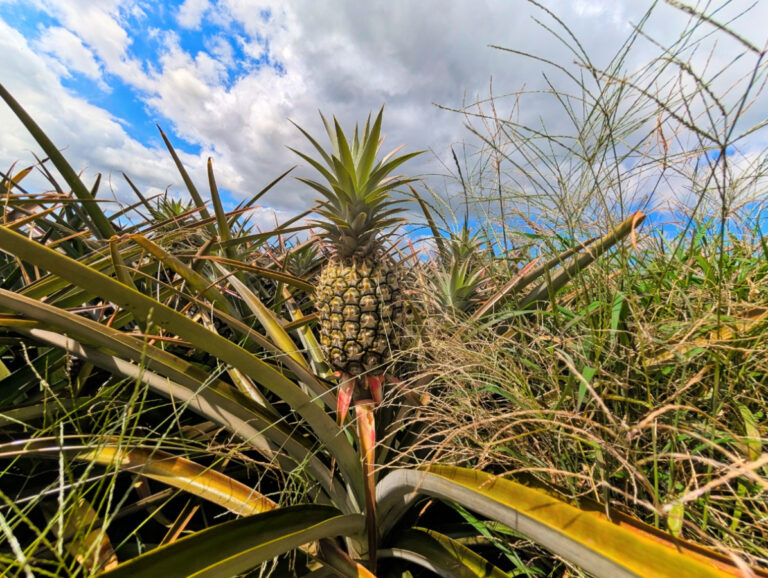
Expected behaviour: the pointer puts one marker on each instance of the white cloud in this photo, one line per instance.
(221, 49)
(347, 61)
(92, 139)
(71, 51)
(99, 25)
(191, 13)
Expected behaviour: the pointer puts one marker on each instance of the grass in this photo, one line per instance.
(639, 385)
(642, 385)
(633, 392)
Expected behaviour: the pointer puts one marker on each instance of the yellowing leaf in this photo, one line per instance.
(232, 548)
(183, 474)
(616, 547)
(732, 330)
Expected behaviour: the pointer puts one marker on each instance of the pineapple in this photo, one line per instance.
(358, 295)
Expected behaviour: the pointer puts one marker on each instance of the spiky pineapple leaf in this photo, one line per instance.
(280, 276)
(101, 226)
(586, 256)
(144, 307)
(169, 469)
(371, 143)
(176, 379)
(441, 554)
(615, 547)
(221, 216)
(269, 321)
(235, 547)
(193, 192)
(195, 280)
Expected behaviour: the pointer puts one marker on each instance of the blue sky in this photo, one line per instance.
(152, 29)
(223, 78)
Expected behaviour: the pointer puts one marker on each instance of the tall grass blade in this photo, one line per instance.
(101, 226)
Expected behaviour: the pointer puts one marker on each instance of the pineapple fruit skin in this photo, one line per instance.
(359, 301)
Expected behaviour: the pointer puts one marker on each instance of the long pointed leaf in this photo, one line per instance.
(118, 265)
(184, 474)
(266, 189)
(269, 321)
(371, 142)
(587, 256)
(102, 227)
(232, 548)
(200, 283)
(162, 466)
(193, 192)
(430, 221)
(144, 307)
(213, 399)
(616, 548)
(441, 554)
(221, 217)
(280, 276)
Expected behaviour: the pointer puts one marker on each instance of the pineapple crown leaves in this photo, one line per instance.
(458, 285)
(356, 203)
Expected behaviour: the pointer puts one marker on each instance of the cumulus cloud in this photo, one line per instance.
(101, 26)
(191, 13)
(265, 62)
(70, 50)
(91, 137)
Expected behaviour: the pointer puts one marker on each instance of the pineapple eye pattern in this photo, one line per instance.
(360, 311)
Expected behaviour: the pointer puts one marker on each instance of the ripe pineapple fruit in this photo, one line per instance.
(358, 294)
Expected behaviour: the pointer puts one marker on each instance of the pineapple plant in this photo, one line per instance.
(358, 294)
(230, 444)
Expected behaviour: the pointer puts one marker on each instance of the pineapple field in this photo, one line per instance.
(543, 376)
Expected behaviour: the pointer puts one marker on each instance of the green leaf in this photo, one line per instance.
(221, 216)
(441, 554)
(587, 373)
(318, 166)
(280, 276)
(268, 320)
(586, 256)
(235, 547)
(617, 311)
(102, 227)
(164, 467)
(345, 156)
(259, 238)
(675, 518)
(197, 281)
(267, 188)
(184, 474)
(316, 144)
(144, 307)
(584, 535)
(430, 221)
(193, 192)
(118, 265)
(752, 443)
(179, 380)
(371, 146)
